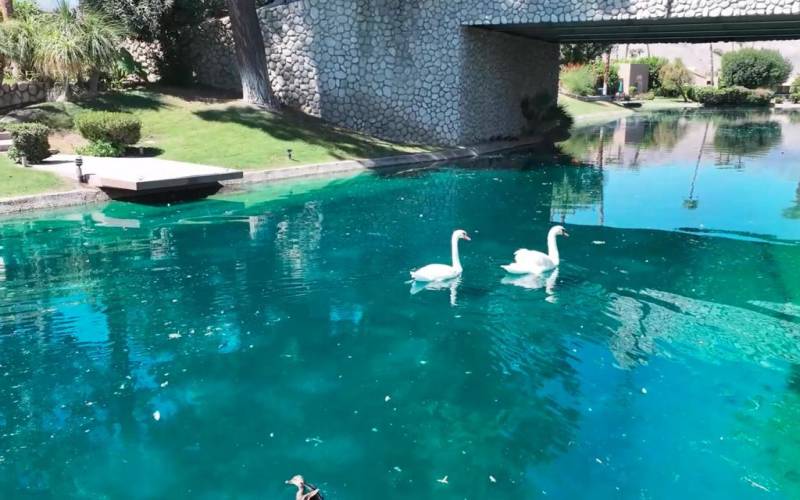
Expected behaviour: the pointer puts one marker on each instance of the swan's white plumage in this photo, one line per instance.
(435, 272)
(534, 262)
(443, 272)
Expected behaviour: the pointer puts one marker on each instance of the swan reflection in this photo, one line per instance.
(535, 282)
(452, 285)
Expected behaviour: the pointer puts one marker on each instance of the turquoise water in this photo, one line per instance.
(273, 332)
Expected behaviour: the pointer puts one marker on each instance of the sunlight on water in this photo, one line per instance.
(213, 349)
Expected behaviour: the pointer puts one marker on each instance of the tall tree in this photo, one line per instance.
(250, 54)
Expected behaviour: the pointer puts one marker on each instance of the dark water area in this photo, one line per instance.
(213, 349)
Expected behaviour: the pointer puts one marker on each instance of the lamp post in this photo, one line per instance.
(79, 169)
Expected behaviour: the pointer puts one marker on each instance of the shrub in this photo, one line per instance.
(732, 96)
(101, 148)
(599, 68)
(578, 80)
(795, 97)
(654, 65)
(545, 117)
(794, 88)
(676, 78)
(648, 96)
(120, 129)
(778, 100)
(754, 68)
(30, 141)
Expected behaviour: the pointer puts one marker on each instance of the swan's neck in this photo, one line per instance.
(454, 250)
(552, 248)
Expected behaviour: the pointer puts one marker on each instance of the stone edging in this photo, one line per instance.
(88, 196)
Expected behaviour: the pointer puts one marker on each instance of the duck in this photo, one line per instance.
(443, 272)
(533, 262)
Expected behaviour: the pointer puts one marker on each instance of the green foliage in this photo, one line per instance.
(18, 41)
(733, 96)
(675, 78)
(119, 129)
(101, 148)
(126, 67)
(754, 68)
(578, 80)
(649, 96)
(794, 88)
(654, 65)
(29, 140)
(26, 9)
(599, 68)
(583, 53)
(544, 117)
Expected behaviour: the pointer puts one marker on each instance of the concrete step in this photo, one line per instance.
(4, 136)
(5, 144)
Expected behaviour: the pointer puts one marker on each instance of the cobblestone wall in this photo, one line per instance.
(423, 70)
(19, 94)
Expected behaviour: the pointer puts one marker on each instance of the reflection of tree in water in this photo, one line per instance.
(577, 188)
(665, 131)
(747, 139)
(794, 212)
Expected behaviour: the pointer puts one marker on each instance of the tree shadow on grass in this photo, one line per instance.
(125, 102)
(295, 126)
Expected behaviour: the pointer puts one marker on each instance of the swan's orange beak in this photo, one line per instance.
(565, 234)
(466, 237)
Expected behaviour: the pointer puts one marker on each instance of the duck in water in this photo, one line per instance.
(312, 493)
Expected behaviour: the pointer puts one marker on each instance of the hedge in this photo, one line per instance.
(732, 96)
(119, 129)
(29, 140)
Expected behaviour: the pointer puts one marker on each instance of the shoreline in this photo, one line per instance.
(87, 196)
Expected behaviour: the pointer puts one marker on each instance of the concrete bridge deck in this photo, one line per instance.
(139, 175)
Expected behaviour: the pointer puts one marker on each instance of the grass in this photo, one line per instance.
(586, 113)
(17, 181)
(227, 133)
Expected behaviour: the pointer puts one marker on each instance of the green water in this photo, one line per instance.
(274, 332)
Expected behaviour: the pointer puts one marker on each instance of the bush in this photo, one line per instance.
(30, 141)
(544, 117)
(794, 88)
(778, 100)
(795, 97)
(648, 96)
(578, 80)
(691, 92)
(732, 96)
(754, 68)
(654, 65)
(119, 129)
(101, 148)
(599, 68)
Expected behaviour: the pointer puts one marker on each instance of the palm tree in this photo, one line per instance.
(72, 42)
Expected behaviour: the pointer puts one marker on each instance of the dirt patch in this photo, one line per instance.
(65, 141)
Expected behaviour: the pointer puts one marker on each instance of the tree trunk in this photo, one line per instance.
(94, 82)
(7, 9)
(250, 54)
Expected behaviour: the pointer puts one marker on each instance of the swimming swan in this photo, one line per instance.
(533, 262)
(442, 272)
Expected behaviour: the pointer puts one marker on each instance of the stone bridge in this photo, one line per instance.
(454, 71)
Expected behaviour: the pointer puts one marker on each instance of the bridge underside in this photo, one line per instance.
(676, 29)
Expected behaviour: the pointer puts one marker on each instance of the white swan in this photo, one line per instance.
(533, 262)
(442, 272)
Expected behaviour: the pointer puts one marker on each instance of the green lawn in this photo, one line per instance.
(225, 133)
(594, 112)
(16, 180)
